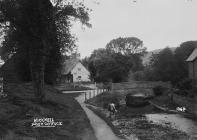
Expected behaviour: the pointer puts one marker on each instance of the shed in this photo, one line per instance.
(192, 64)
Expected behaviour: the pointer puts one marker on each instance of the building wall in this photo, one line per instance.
(193, 69)
(190, 65)
(80, 73)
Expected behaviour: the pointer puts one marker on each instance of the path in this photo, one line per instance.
(101, 129)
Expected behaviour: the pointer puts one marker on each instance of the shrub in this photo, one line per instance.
(193, 92)
(107, 85)
(138, 76)
(185, 84)
(158, 90)
(110, 98)
(181, 92)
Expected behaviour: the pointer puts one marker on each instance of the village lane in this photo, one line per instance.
(101, 129)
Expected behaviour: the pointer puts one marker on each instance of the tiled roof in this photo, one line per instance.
(69, 65)
(192, 56)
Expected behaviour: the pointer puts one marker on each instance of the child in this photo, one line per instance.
(112, 109)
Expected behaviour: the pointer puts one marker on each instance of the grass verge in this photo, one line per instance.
(20, 108)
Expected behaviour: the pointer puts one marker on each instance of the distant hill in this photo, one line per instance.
(146, 58)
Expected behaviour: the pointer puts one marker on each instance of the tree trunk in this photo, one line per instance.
(38, 51)
(37, 66)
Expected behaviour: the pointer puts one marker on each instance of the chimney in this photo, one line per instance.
(75, 56)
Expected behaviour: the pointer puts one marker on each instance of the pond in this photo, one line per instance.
(176, 121)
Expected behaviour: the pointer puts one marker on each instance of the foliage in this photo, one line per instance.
(126, 46)
(158, 90)
(185, 84)
(105, 66)
(164, 65)
(139, 76)
(108, 65)
(41, 31)
(181, 92)
(193, 92)
(149, 74)
(169, 66)
(105, 98)
(180, 56)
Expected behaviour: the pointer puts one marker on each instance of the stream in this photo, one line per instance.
(175, 121)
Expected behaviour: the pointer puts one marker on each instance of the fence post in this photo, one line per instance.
(112, 86)
(85, 97)
(89, 95)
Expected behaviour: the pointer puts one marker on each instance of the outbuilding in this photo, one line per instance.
(192, 65)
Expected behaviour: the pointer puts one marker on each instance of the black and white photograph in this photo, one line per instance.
(98, 70)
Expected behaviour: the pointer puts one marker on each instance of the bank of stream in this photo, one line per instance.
(176, 121)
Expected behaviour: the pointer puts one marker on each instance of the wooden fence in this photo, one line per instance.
(93, 93)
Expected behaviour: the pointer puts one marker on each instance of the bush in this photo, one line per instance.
(181, 92)
(105, 98)
(110, 98)
(193, 92)
(158, 90)
(138, 76)
(185, 84)
(189, 93)
(107, 85)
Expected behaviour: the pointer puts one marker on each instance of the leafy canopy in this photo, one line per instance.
(126, 46)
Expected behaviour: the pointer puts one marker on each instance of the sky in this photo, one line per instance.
(158, 23)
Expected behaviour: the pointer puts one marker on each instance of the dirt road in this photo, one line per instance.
(101, 129)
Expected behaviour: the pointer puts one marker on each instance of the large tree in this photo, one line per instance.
(181, 54)
(40, 29)
(164, 65)
(106, 65)
(170, 65)
(126, 46)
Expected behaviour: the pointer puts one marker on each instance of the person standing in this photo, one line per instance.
(112, 109)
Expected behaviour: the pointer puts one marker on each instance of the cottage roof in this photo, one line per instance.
(69, 65)
(192, 56)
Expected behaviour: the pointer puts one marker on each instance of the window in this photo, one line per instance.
(79, 77)
(79, 69)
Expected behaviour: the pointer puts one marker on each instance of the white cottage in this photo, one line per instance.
(74, 71)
